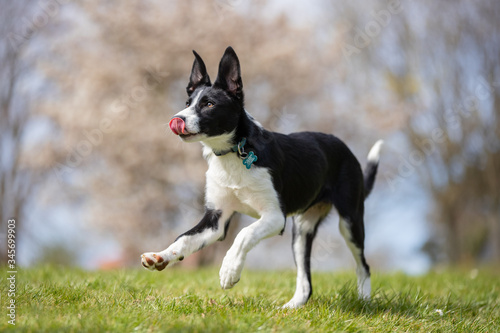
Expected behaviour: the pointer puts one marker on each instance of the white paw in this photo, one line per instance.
(153, 261)
(294, 303)
(230, 272)
(364, 289)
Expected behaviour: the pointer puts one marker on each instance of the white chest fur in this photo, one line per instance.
(231, 185)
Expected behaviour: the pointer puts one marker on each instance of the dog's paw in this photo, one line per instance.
(294, 304)
(153, 261)
(230, 273)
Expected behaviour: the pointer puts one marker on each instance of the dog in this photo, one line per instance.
(269, 176)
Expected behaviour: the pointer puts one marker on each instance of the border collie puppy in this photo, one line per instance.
(269, 176)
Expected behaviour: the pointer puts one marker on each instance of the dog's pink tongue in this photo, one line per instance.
(177, 126)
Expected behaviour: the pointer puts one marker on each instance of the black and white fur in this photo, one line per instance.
(302, 174)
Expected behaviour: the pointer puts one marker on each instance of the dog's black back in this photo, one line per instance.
(308, 168)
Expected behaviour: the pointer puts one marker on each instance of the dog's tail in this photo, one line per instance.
(372, 166)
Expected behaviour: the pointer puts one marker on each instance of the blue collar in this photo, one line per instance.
(247, 158)
(234, 149)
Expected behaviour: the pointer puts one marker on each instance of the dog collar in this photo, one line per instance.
(248, 158)
(233, 149)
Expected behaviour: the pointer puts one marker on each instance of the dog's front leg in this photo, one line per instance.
(211, 228)
(268, 225)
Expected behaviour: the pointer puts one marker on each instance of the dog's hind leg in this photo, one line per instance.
(305, 227)
(353, 232)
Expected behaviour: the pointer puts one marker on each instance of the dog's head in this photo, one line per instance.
(213, 110)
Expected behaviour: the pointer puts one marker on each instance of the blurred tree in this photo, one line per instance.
(455, 143)
(16, 179)
(438, 79)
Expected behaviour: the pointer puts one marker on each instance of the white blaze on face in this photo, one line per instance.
(190, 116)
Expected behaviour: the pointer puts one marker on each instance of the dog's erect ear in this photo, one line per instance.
(229, 76)
(198, 76)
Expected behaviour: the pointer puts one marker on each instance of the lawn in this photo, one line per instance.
(73, 300)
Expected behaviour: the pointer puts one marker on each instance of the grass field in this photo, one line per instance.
(73, 300)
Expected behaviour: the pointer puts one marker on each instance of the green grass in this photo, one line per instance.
(73, 300)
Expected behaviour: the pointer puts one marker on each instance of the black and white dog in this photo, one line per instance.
(268, 176)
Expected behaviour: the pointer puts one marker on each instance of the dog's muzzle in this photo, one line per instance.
(178, 126)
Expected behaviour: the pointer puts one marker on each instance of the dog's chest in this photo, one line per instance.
(229, 172)
(252, 189)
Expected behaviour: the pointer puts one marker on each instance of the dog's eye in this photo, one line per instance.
(210, 104)
(187, 103)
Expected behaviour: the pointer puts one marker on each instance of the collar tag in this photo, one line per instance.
(247, 158)
(250, 159)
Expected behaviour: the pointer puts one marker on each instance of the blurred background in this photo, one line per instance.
(94, 177)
